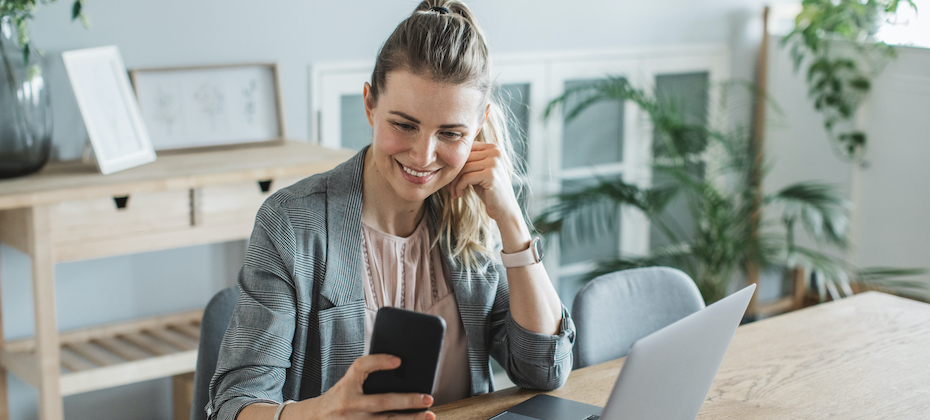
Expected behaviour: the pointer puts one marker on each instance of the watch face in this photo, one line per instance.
(538, 248)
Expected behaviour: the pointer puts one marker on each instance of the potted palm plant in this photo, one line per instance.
(711, 170)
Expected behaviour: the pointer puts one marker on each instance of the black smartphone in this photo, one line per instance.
(414, 337)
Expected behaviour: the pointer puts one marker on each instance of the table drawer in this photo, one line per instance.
(235, 203)
(112, 217)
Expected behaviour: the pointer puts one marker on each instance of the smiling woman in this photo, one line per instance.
(420, 220)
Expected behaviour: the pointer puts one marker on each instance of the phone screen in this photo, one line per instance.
(414, 337)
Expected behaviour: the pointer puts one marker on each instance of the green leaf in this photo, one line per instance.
(76, 9)
(860, 83)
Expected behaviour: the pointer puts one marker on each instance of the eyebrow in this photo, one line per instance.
(414, 120)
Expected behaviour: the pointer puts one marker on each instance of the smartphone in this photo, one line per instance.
(414, 337)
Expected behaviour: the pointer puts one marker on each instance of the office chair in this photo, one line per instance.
(614, 310)
(215, 320)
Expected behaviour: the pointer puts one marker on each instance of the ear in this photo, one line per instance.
(487, 111)
(369, 104)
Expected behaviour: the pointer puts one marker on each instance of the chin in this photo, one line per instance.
(415, 194)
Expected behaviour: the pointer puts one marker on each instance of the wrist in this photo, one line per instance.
(279, 413)
(515, 235)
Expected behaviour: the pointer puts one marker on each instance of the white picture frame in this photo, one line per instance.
(111, 114)
(209, 106)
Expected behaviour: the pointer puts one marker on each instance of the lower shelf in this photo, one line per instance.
(113, 355)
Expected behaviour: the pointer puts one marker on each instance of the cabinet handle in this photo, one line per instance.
(265, 185)
(121, 202)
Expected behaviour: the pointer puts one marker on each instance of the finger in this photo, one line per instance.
(480, 145)
(364, 365)
(457, 187)
(482, 154)
(483, 178)
(477, 165)
(392, 401)
(422, 415)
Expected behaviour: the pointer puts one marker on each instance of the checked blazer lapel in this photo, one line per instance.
(341, 308)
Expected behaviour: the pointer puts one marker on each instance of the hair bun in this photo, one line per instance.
(439, 9)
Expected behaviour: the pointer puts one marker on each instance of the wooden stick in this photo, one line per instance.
(94, 353)
(174, 338)
(73, 362)
(758, 151)
(188, 330)
(122, 348)
(150, 344)
(46, 324)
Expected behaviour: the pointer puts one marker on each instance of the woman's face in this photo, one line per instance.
(422, 132)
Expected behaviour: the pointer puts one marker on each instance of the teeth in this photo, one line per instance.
(414, 173)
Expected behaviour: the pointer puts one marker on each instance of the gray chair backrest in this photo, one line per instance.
(215, 320)
(614, 310)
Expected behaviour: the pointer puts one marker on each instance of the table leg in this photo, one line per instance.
(182, 388)
(4, 397)
(43, 293)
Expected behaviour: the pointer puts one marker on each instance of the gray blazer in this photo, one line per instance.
(299, 321)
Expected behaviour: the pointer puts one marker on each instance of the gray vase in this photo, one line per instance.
(25, 110)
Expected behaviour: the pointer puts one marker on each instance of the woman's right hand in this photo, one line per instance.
(346, 400)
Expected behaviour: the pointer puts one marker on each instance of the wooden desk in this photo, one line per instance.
(70, 212)
(863, 357)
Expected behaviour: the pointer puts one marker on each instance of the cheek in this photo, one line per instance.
(455, 155)
(387, 141)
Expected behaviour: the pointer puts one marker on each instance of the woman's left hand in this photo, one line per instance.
(486, 172)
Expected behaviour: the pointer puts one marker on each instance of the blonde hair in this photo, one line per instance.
(441, 40)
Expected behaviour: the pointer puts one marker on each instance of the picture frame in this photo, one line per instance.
(210, 106)
(109, 109)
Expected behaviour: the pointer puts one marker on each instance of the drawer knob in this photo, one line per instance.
(265, 185)
(121, 202)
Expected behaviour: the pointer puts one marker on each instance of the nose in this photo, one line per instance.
(423, 151)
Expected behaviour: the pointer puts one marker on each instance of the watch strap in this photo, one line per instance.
(522, 258)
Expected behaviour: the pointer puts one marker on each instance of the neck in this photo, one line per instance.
(382, 209)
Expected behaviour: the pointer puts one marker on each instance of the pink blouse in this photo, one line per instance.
(406, 273)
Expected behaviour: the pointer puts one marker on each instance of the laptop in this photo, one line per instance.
(666, 375)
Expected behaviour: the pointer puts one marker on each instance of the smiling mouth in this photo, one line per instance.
(415, 173)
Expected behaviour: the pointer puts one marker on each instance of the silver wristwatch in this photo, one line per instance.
(531, 255)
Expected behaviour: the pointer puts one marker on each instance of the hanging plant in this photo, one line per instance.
(834, 38)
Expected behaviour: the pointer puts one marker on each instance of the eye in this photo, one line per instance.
(451, 135)
(403, 126)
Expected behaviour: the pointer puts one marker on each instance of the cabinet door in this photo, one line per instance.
(338, 106)
(605, 141)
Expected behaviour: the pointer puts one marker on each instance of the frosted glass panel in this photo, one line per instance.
(595, 136)
(514, 99)
(355, 131)
(685, 95)
(583, 246)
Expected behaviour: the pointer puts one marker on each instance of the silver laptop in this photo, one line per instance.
(666, 375)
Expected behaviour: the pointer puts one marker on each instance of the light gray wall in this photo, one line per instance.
(889, 190)
(294, 33)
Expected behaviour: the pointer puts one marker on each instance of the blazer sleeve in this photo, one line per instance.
(532, 360)
(256, 349)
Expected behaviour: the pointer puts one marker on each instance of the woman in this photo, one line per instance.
(415, 220)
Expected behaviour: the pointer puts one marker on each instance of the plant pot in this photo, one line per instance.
(25, 110)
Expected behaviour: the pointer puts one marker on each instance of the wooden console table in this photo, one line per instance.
(70, 212)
